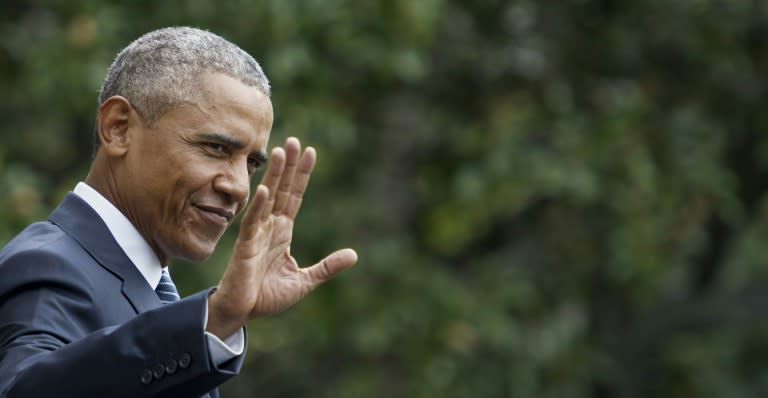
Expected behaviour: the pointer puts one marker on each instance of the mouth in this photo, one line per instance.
(215, 214)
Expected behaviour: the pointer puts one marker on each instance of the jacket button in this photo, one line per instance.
(146, 377)
(184, 360)
(170, 366)
(158, 371)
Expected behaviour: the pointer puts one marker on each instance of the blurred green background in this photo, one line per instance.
(549, 199)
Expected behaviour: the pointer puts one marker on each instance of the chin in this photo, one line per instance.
(196, 257)
(192, 245)
(196, 253)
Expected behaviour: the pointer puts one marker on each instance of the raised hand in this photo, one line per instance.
(262, 277)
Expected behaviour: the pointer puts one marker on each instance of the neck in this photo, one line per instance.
(101, 177)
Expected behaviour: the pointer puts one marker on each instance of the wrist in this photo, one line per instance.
(220, 322)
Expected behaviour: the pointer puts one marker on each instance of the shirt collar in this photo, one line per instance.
(127, 236)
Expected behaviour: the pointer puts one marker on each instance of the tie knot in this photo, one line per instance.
(166, 290)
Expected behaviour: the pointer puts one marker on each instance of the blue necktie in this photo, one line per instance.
(166, 290)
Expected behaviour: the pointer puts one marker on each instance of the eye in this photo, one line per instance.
(253, 165)
(216, 146)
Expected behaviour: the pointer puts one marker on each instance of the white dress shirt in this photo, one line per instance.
(144, 258)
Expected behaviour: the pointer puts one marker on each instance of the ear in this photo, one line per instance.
(115, 118)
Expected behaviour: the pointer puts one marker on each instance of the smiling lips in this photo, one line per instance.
(215, 214)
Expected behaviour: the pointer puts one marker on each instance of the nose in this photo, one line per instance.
(234, 183)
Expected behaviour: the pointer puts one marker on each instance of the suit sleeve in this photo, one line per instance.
(51, 343)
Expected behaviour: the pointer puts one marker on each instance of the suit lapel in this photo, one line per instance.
(80, 221)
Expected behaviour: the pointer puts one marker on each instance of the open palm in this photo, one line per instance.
(262, 277)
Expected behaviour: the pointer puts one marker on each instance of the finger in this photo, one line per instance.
(331, 266)
(249, 225)
(272, 177)
(292, 151)
(300, 181)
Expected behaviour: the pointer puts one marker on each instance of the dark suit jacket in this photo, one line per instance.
(77, 319)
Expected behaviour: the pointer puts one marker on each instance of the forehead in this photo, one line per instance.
(220, 90)
(219, 87)
(225, 105)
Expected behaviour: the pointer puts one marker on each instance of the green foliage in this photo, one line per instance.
(549, 199)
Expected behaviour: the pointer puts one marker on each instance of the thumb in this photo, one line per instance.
(332, 265)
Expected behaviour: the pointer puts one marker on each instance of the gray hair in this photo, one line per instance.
(161, 69)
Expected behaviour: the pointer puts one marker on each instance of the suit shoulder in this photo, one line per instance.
(41, 240)
(35, 236)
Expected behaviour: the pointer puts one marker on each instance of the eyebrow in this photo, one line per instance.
(230, 141)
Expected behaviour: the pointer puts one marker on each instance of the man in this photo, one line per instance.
(87, 307)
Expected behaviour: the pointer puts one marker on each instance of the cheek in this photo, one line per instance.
(173, 192)
(197, 180)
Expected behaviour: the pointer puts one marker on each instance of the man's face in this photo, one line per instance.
(186, 177)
